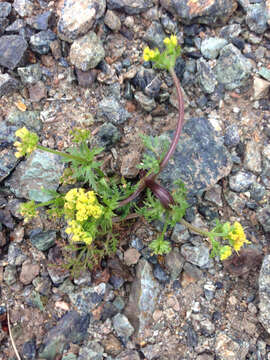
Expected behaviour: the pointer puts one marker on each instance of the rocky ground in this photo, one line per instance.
(79, 63)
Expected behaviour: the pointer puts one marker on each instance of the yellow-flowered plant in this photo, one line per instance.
(234, 234)
(166, 59)
(28, 210)
(27, 144)
(81, 208)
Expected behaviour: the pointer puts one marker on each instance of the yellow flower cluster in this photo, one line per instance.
(78, 233)
(171, 41)
(149, 54)
(237, 236)
(28, 142)
(82, 205)
(79, 207)
(225, 252)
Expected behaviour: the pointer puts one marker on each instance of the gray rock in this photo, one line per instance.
(10, 274)
(143, 297)
(41, 169)
(5, 9)
(215, 12)
(23, 7)
(40, 42)
(107, 136)
(174, 262)
(147, 103)
(169, 24)
(122, 327)
(128, 355)
(3, 25)
(214, 195)
(71, 328)
(200, 159)
(155, 35)
(8, 84)
(206, 77)
(230, 31)
(180, 234)
(15, 255)
(16, 26)
(263, 215)
(86, 52)
(264, 293)
(260, 88)
(211, 47)
(41, 21)
(92, 351)
(265, 73)
(256, 18)
(43, 240)
(232, 68)
(78, 17)
(196, 255)
(58, 275)
(231, 136)
(257, 191)
(193, 271)
(30, 74)
(252, 158)
(113, 111)
(112, 20)
(241, 181)
(30, 119)
(8, 161)
(235, 202)
(42, 285)
(226, 347)
(87, 298)
(29, 272)
(130, 7)
(12, 51)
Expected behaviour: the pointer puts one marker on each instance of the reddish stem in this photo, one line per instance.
(151, 178)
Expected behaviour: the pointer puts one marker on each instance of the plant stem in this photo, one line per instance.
(46, 203)
(60, 153)
(151, 178)
(194, 228)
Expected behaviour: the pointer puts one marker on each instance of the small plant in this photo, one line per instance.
(93, 211)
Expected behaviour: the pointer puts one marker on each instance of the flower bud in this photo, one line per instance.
(161, 193)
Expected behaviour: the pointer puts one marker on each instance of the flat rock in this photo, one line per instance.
(200, 159)
(143, 297)
(211, 47)
(264, 293)
(130, 7)
(252, 157)
(30, 74)
(39, 170)
(260, 88)
(12, 51)
(232, 68)
(29, 272)
(112, 20)
(23, 7)
(111, 109)
(8, 84)
(210, 12)
(257, 17)
(71, 328)
(86, 52)
(263, 215)
(40, 42)
(5, 9)
(206, 76)
(78, 16)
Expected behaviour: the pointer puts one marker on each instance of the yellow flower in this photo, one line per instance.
(225, 252)
(28, 142)
(237, 236)
(149, 54)
(171, 41)
(78, 233)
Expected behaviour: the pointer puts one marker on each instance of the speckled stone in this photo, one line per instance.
(71, 328)
(200, 159)
(112, 20)
(87, 51)
(12, 51)
(264, 291)
(211, 47)
(78, 16)
(241, 181)
(23, 7)
(252, 158)
(8, 84)
(206, 77)
(232, 69)
(130, 7)
(143, 297)
(39, 170)
(213, 13)
(263, 215)
(256, 18)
